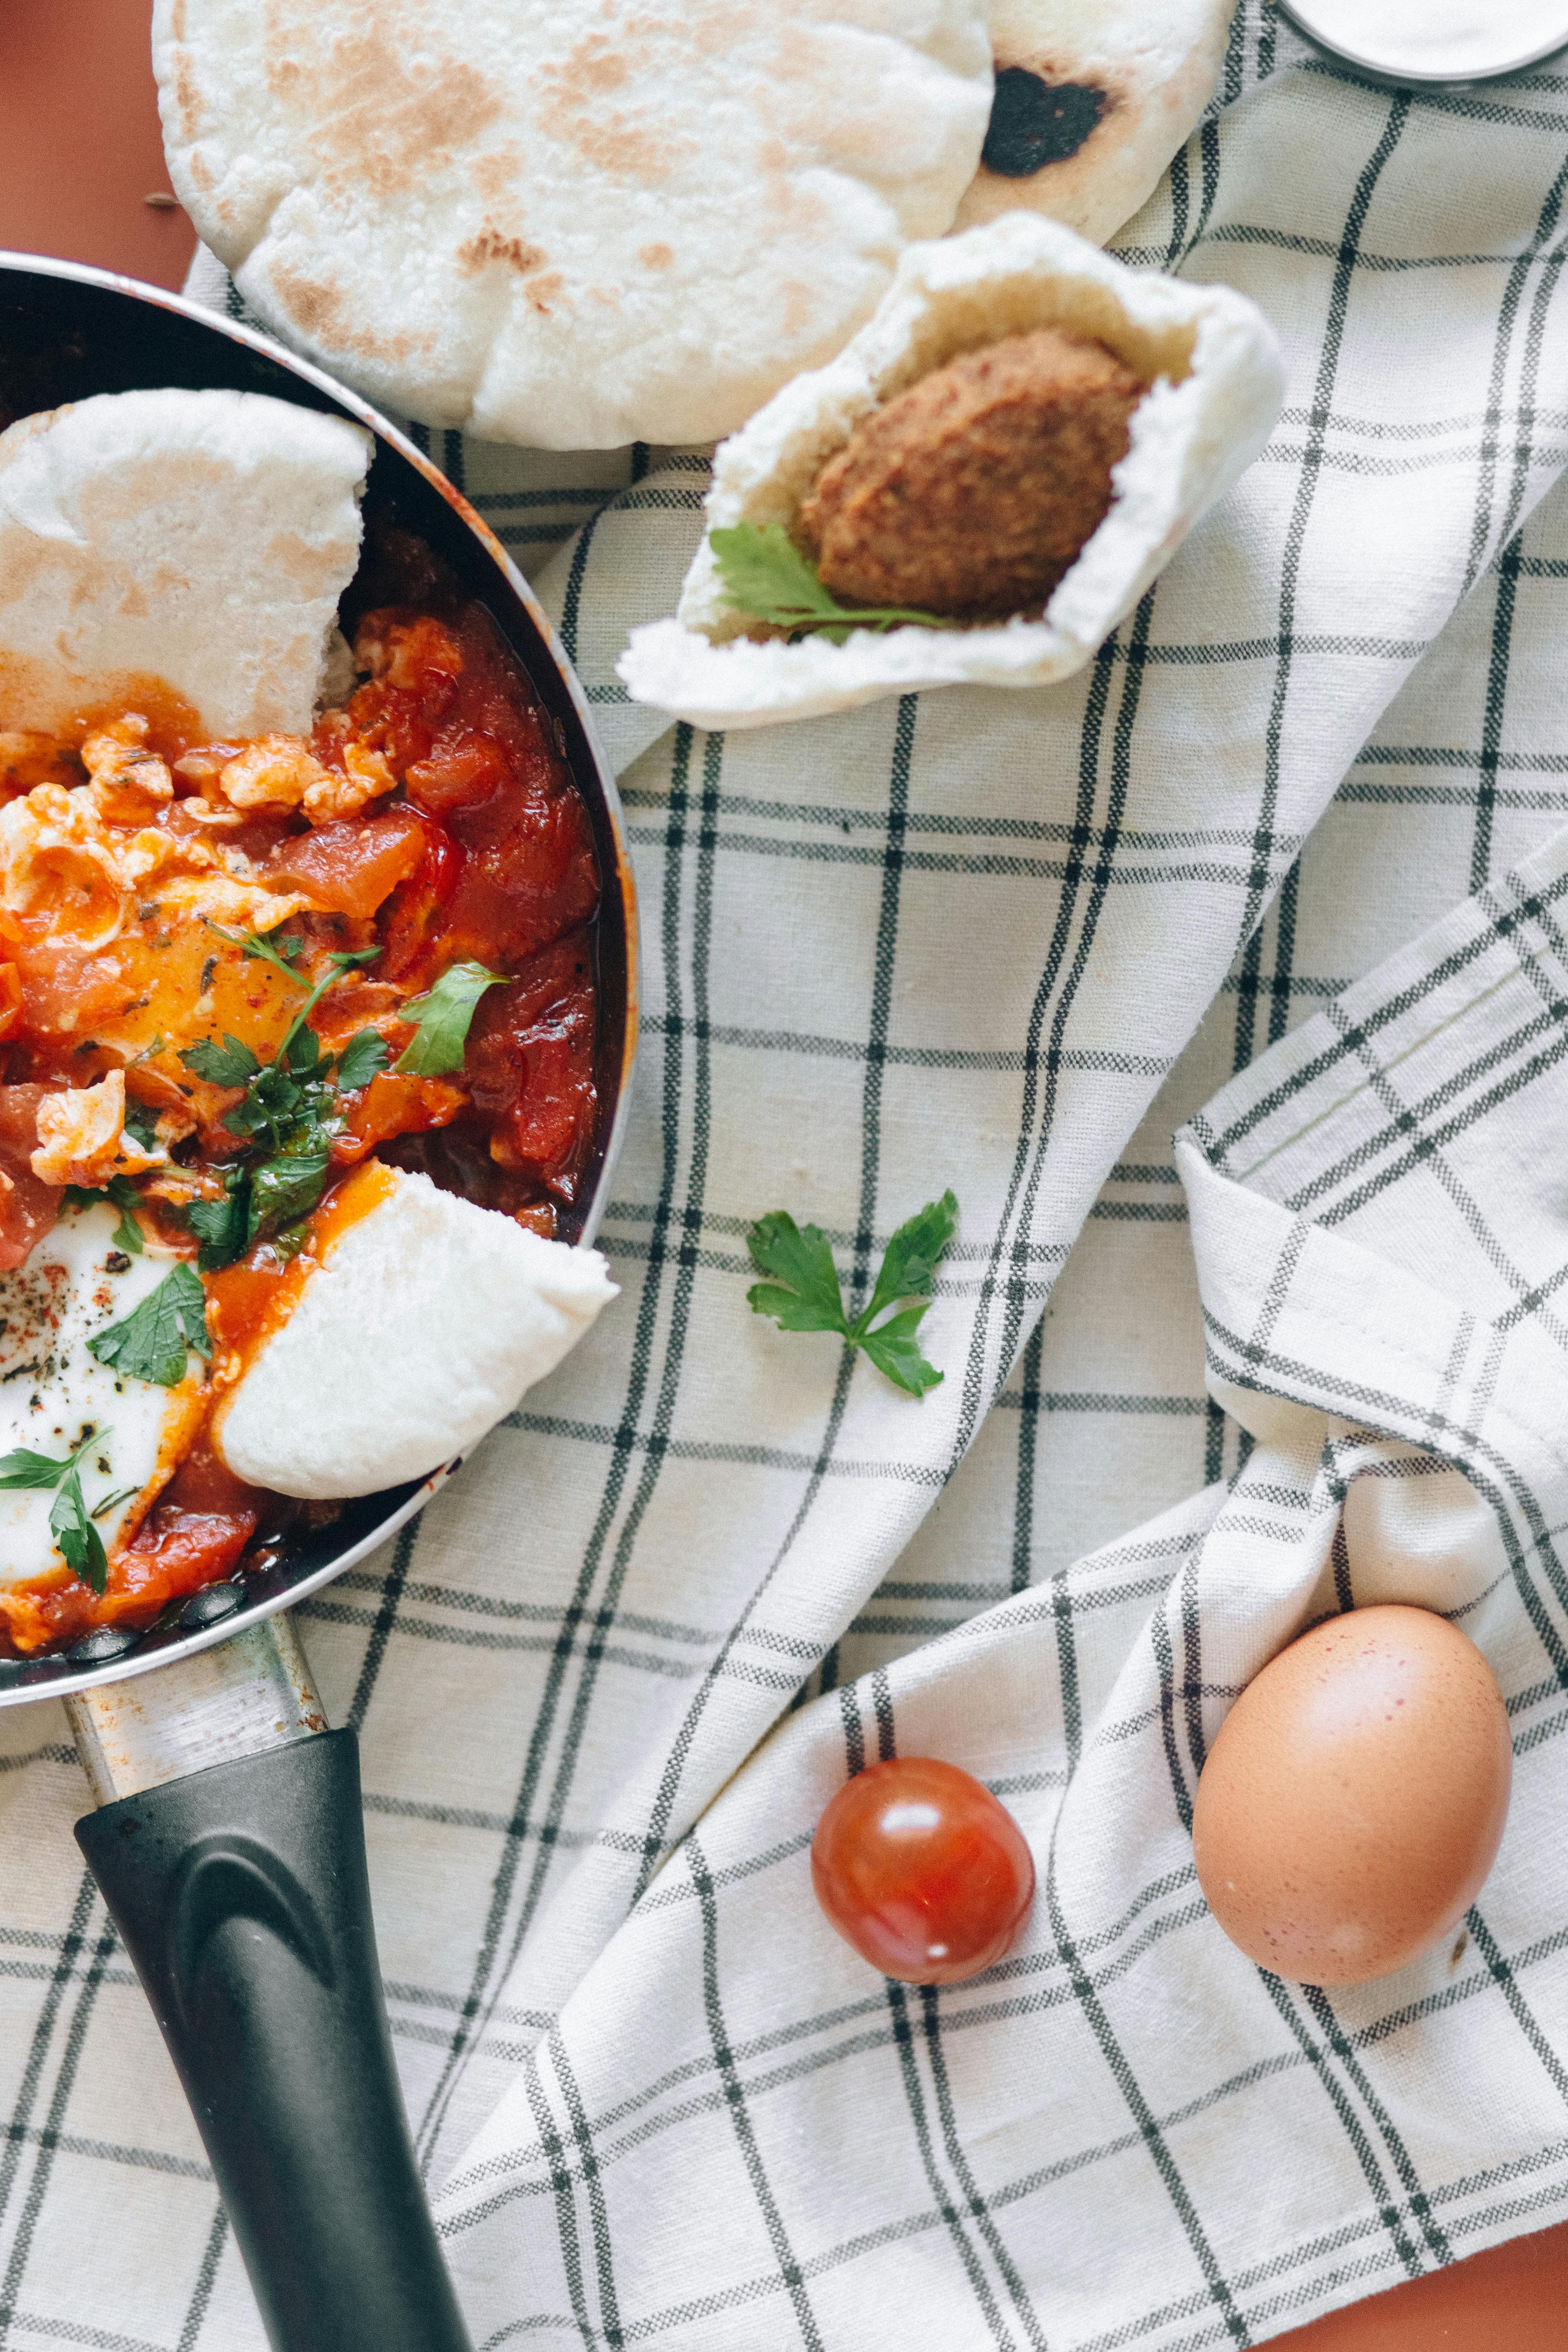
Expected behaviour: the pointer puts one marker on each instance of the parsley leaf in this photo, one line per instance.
(303, 1052)
(803, 1292)
(232, 1064)
(894, 1347)
(272, 1099)
(221, 1226)
(912, 1255)
(359, 1060)
(258, 949)
(127, 1232)
(443, 1015)
(125, 1197)
(43, 1471)
(289, 1185)
(80, 1544)
(151, 1341)
(764, 572)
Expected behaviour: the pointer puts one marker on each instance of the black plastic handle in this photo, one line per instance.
(242, 1898)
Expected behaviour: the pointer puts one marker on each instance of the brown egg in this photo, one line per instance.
(1355, 1797)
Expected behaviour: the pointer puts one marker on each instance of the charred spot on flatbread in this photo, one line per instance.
(1090, 102)
(1034, 121)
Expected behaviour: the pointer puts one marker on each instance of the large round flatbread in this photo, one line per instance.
(1093, 97)
(570, 223)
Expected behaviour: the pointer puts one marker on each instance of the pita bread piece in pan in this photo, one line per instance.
(424, 1322)
(200, 537)
(577, 224)
(974, 493)
(1093, 97)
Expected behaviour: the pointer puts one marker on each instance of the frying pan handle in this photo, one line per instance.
(242, 1897)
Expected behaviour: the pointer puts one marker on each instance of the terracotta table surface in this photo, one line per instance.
(79, 153)
(79, 146)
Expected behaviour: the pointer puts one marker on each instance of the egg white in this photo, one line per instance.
(52, 1391)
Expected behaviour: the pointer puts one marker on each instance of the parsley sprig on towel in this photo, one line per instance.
(765, 574)
(802, 1291)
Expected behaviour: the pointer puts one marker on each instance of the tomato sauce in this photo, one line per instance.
(429, 821)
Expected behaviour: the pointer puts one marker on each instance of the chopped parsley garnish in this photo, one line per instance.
(232, 1064)
(764, 574)
(127, 1232)
(125, 1197)
(443, 1016)
(151, 1342)
(288, 1116)
(289, 1185)
(802, 1292)
(71, 1523)
(110, 1501)
(359, 1060)
(220, 1225)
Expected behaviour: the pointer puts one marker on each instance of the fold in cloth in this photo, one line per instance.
(964, 941)
(1125, 2133)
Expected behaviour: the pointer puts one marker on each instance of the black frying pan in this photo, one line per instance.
(229, 1844)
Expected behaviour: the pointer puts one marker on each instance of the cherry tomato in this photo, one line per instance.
(919, 1868)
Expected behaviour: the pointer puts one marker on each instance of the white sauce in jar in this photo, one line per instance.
(1437, 40)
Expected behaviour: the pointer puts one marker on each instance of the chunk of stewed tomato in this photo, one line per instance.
(412, 925)
(178, 1551)
(352, 866)
(463, 768)
(28, 1206)
(529, 875)
(530, 1064)
(396, 1103)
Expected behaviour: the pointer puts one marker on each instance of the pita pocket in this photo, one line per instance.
(199, 539)
(1093, 97)
(424, 1323)
(577, 225)
(1210, 363)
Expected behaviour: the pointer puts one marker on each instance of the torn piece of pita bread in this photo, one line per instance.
(1214, 365)
(199, 538)
(427, 1320)
(1093, 97)
(573, 225)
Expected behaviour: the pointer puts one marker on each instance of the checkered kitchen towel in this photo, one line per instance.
(965, 939)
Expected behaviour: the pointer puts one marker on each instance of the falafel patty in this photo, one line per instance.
(971, 494)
